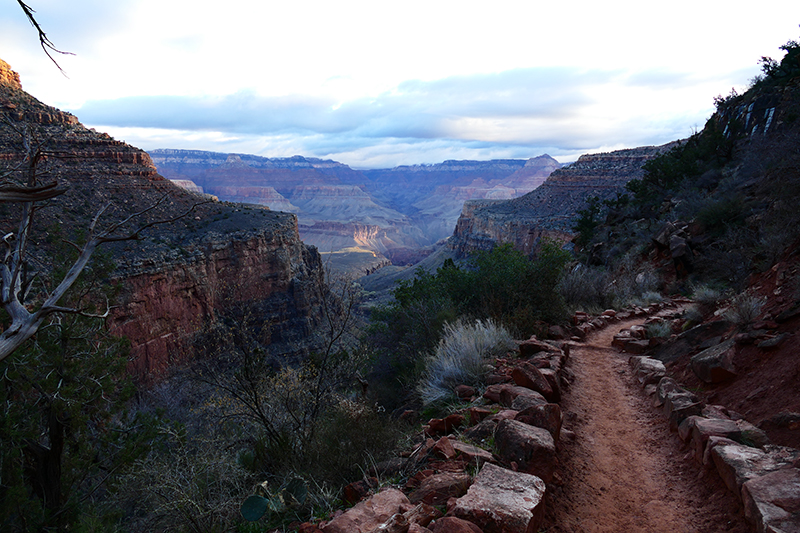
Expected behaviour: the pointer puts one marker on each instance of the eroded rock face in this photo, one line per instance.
(8, 76)
(503, 501)
(550, 210)
(165, 304)
(177, 277)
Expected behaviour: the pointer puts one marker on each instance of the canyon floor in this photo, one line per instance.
(625, 471)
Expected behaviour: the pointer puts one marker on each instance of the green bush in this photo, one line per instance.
(462, 357)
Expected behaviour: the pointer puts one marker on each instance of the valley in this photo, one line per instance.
(509, 345)
(383, 215)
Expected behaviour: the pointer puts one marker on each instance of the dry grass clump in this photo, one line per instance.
(744, 309)
(462, 357)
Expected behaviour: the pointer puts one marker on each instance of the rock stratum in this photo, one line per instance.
(549, 211)
(385, 211)
(181, 276)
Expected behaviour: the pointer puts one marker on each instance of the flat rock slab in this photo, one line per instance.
(368, 514)
(772, 501)
(503, 501)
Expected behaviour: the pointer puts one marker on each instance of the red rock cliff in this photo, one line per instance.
(179, 277)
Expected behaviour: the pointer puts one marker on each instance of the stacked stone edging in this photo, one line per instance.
(513, 438)
(764, 477)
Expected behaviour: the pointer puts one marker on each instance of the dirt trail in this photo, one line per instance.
(625, 472)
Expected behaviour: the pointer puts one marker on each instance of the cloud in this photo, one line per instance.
(516, 113)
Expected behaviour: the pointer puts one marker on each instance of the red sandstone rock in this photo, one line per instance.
(528, 376)
(715, 364)
(368, 514)
(531, 448)
(451, 524)
(543, 416)
(441, 426)
(438, 488)
(472, 454)
(354, 492)
(444, 449)
(533, 346)
(503, 501)
(465, 392)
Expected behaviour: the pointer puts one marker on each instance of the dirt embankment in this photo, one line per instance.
(625, 472)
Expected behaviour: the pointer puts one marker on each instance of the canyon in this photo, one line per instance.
(180, 277)
(387, 215)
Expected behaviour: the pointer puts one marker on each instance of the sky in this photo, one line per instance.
(380, 83)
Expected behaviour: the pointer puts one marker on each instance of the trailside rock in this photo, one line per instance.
(503, 501)
(438, 488)
(546, 416)
(528, 376)
(772, 501)
(368, 514)
(737, 463)
(715, 364)
(532, 449)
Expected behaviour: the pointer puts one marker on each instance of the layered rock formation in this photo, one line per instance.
(386, 211)
(182, 276)
(550, 210)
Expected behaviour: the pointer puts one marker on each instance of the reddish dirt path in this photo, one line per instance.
(625, 472)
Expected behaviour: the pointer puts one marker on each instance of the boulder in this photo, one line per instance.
(737, 463)
(647, 370)
(438, 488)
(739, 431)
(532, 449)
(503, 501)
(511, 392)
(772, 501)
(368, 514)
(715, 364)
(677, 402)
(688, 340)
(528, 376)
(546, 416)
(527, 400)
(533, 346)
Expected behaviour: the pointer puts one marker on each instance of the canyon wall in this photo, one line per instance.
(406, 208)
(178, 277)
(550, 210)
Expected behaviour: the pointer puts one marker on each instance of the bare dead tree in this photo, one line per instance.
(15, 281)
(44, 41)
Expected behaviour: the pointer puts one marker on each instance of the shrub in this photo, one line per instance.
(461, 357)
(585, 288)
(706, 296)
(744, 309)
(662, 328)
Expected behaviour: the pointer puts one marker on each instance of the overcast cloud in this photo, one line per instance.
(377, 84)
